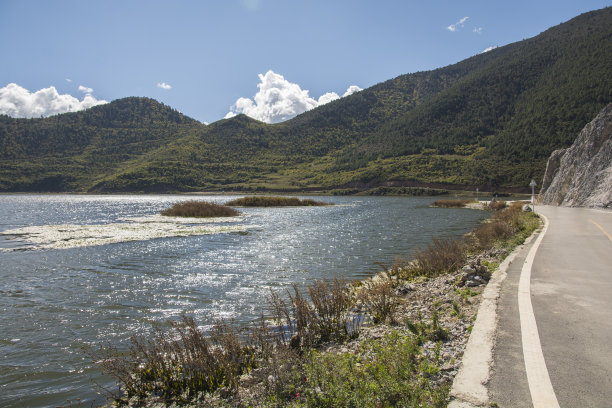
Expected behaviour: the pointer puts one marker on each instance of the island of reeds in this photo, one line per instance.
(273, 201)
(199, 209)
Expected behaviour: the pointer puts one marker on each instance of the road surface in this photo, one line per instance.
(571, 298)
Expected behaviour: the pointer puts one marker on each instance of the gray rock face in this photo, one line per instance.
(581, 176)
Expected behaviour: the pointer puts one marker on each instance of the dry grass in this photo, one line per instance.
(176, 364)
(325, 316)
(451, 203)
(380, 301)
(497, 205)
(504, 223)
(442, 255)
(199, 209)
(270, 201)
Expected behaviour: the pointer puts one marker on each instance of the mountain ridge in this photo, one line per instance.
(489, 121)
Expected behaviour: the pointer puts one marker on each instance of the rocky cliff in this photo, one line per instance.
(581, 175)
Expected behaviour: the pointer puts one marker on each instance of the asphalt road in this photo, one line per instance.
(571, 295)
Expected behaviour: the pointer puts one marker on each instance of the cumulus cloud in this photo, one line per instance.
(18, 102)
(351, 90)
(489, 49)
(459, 24)
(163, 85)
(278, 100)
(85, 89)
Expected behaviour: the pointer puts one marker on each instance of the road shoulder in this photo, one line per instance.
(471, 385)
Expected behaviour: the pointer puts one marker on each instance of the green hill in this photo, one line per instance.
(490, 121)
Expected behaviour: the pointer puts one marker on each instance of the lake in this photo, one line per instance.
(80, 270)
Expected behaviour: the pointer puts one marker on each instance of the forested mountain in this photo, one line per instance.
(490, 121)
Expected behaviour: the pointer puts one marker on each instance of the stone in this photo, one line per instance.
(581, 175)
(405, 289)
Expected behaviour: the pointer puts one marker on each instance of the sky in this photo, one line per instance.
(269, 59)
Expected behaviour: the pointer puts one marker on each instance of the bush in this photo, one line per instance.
(325, 317)
(199, 209)
(497, 205)
(441, 256)
(178, 363)
(270, 201)
(380, 300)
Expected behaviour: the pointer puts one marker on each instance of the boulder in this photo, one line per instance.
(474, 274)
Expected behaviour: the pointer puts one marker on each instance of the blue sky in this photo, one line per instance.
(208, 54)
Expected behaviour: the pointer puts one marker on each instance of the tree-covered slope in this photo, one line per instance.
(489, 121)
(66, 152)
(510, 113)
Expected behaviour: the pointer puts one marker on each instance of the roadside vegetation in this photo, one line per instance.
(272, 201)
(379, 342)
(199, 209)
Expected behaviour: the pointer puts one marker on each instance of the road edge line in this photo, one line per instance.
(540, 387)
(469, 385)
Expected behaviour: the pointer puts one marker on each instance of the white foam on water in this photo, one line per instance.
(135, 229)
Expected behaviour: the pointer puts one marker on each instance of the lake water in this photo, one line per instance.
(102, 268)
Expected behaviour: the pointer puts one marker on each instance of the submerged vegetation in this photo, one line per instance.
(272, 201)
(199, 209)
(298, 356)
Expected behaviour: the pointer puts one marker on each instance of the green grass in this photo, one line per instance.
(387, 372)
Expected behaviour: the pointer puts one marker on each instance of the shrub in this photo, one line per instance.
(200, 209)
(497, 205)
(178, 363)
(380, 300)
(325, 317)
(442, 255)
(270, 201)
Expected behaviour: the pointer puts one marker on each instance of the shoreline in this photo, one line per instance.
(437, 311)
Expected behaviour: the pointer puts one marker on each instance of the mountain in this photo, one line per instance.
(490, 121)
(69, 152)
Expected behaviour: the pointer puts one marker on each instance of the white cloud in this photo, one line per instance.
(351, 90)
(477, 30)
(85, 90)
(68, 80)
(327, 97)
(163, 85)
(278, 100)
(18, 102)
(459, 24)
(489, 49)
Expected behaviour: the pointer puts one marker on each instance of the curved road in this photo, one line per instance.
(571, 296)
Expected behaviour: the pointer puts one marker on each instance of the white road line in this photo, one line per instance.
(542, 392)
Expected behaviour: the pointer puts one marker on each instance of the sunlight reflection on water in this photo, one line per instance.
(53, 301)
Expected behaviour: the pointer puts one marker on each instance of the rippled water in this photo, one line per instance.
(54, 301)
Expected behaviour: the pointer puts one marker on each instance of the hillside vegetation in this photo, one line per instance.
(490, 121)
